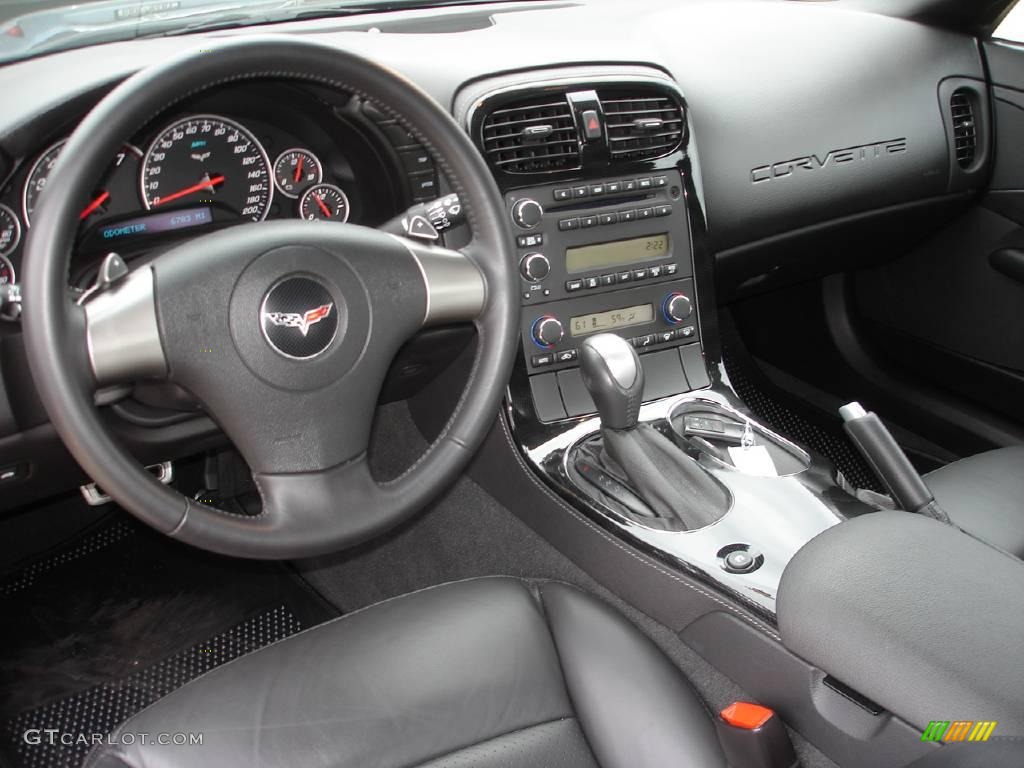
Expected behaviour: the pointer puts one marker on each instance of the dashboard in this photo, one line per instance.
(238, 154)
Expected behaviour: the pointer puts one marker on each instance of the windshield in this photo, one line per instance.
(32, 27)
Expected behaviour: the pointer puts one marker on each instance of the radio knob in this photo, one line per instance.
(534, 267)
(677, 307)
(527, 213)
(547, 331)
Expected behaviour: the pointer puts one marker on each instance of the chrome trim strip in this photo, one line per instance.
(455, 287)
(122, 332)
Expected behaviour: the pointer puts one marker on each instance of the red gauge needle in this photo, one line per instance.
(101, 198)
(208, 184)
(298, 168)
(323, 207)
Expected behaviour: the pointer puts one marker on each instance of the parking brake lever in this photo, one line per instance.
(877, 445)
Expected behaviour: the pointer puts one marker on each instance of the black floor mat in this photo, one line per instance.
(789, 415)
(107, 624)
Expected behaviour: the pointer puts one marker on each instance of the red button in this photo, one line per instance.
(747, 716)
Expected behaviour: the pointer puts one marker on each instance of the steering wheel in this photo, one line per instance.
(283, 330)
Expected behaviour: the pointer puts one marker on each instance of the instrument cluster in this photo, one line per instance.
(250, 154)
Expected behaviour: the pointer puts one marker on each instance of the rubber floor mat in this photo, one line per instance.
(102, 627)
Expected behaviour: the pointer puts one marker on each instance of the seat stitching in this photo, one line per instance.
(514, 731)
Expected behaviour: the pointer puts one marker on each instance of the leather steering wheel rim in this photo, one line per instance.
(341, 504)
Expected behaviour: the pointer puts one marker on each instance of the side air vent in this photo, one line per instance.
(641, 126)
(532, 136)
(965, 136)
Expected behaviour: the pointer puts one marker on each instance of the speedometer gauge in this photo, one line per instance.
(208, 159)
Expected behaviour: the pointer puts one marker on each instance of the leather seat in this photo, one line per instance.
(488, 673)
(984, 494)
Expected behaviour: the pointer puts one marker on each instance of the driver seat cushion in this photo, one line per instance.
(490, 673)
(984, 494)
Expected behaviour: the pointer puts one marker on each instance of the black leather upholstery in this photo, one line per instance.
(494, 673)
(984, 494)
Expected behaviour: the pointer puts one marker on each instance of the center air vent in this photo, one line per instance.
(964, 129)
(532, 136)
(641, 126)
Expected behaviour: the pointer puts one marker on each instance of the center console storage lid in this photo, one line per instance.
(914, 614)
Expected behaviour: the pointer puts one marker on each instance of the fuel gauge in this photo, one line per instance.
(10, 231)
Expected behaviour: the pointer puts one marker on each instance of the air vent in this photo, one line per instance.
(532, 136)
(965, 136)
(641, 125)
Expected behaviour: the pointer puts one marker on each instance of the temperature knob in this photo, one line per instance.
(534, 267)
(547, 331)
(677, 307)
(527, 213)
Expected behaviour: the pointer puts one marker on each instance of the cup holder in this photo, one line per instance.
(707, 430)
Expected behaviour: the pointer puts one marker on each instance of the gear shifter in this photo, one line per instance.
(670, 482)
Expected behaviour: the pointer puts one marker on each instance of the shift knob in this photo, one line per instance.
(612, 374)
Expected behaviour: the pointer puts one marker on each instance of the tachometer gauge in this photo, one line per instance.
(6, 271)
(296, 170)
(208, 159)
(10, 231)
(102, 199)
(324, 202)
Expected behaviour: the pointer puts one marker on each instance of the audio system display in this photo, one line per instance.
(615, 318)
(587, 258)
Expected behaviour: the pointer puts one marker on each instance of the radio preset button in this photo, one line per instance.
(588, 221)
(629, 185)
(644, 183)
(591, 282)
(563, 194)
(627, 216)
(607, 218)
(567, 224)
(645, 213)
(596, 190)
(640, 274)
(660, 181)
(613, 187)
(663, 210)
(624, 277)
(580, 191)
(607, 279)
(534, 267)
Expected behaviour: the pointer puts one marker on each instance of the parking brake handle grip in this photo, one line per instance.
(890, 463)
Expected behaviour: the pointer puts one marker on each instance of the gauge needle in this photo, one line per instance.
(323, 207)
(210, 183)
(298, 168)
(101, 198)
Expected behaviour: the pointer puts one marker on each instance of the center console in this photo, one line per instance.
(601, 187)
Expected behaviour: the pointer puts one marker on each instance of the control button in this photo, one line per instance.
(627, 215)
(580, 191)
(591, 124)
(644, 341)
(547, 400)
(12, 472)
(417, 161)
(644, 183)
(423, 187)
(565, 356)
(665, 336)
(624, 277)
(663, 210)
(591, 282)
(654, 271)
(563, 194)
(613, 187)
(629, 185)
(527, 213)
(546, 331)
(676, 307)
(596, 190)
(539, 361)
(534, 267)
(588, 221)
(607, 279)
(573, 285)
(527, 295)
(640, 274)
(686, 332)
(740, 561)
(566, 224)
(607, 218)
(529, 241)
(645, 213)
(671, 269)
(660, 181)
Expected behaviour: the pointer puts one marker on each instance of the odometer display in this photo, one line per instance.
(211, 160)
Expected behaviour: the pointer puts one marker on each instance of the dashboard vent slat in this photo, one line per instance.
(510, 145)
(625, 116)
(964, 129)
